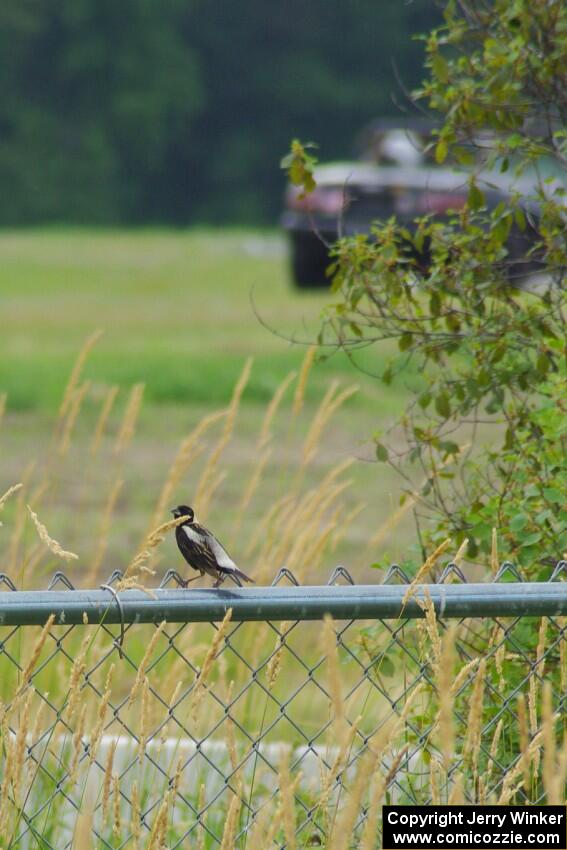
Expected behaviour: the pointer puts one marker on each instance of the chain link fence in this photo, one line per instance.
(133, 703)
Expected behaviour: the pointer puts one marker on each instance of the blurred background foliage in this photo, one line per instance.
(176, 112)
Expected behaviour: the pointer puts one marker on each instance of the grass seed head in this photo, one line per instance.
(272, 409)
(288, 803)
(107, 781)
(130, 418)
(36, 652)
(83, 834)
(209, 480)
(301, 385)
(54, 547)
(77, 400)
(144, 719)
(159, 826)
(116, 821)
(200, 683)
(474, 726)
(338, 765)
(333, 675)
(99, 721)
(329, 405)
(444, 682)
(494, 552)
(139, 563)
(78, 744)
(274, 664)
(188, 452)
(343, 827)
(461, 552)
(457, 797)
(77, 671)
(231, 822)
(424, 570)
(202, 816)
(75, 375)
(135, 821)
(9, 492)
(104, 530)
(259, 827)
(549, 744)
(19, 751)
(141, 671)
(105, 411)
(524, 740)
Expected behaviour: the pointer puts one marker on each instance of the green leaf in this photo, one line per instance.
(552, 494)
(381, 453)
(508, 440)
(483, 531)
(502, 229)
(514, 141)
(497, 353)
(435, 304)
(476, 199)
(520, 218)
(532, 538)
(442, 405)
(385, 666)
(542, 363)
(449, 447)
(464, 156)
(440, 68)
(405, 342)
(519, 522)
(441, 151)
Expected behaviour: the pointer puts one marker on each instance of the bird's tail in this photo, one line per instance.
(235, 573)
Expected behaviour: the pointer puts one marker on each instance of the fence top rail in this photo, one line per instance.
(349, 602)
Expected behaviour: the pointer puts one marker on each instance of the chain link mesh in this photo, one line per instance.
(118, 720)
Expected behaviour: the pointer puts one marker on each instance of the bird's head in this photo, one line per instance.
(183, 510)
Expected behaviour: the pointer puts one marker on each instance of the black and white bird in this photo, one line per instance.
(202, 550)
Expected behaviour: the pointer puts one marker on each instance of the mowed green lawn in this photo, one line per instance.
(177, 310)
(180, 311)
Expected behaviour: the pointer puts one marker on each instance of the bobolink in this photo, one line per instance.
(202, 550)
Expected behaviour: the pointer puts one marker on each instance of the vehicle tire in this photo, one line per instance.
(309, 260)
(521, 265)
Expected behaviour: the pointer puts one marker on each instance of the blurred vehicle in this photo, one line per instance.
(394, 175)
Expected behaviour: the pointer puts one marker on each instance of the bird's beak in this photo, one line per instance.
(172, 511)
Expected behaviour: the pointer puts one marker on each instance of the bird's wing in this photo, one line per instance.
(223, 559)
(204, 552)
(196, 549)
(194, 533)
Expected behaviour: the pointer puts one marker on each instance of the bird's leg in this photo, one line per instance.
(189, 580)
(220, 579)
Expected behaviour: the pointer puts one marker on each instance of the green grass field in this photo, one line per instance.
(180, 311)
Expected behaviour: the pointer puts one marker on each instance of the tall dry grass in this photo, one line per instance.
(117, 735)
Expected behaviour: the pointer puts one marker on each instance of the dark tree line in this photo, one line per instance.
(178, 110)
